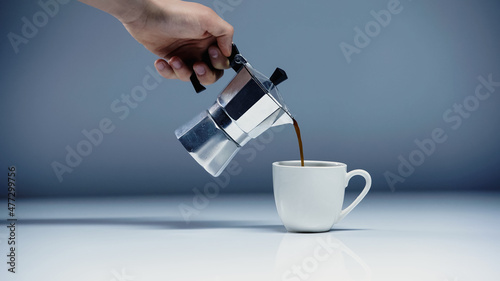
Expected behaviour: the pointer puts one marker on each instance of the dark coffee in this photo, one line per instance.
(297, 131)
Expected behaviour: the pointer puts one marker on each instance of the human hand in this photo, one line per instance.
(181, 32)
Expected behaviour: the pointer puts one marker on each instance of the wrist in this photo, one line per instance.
(125, 11)
(128, 11)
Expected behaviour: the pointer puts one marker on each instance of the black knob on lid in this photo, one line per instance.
(279, 75)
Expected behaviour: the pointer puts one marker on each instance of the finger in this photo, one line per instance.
(205, 75)
(225, 44)
(180, 68)
(164, 69)
(218, 60)
(223, 31)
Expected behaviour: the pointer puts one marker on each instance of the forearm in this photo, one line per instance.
(124, 10)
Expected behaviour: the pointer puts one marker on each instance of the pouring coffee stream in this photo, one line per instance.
(248, 106)
(299, 138)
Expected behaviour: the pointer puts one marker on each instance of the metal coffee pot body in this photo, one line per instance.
(249, 105)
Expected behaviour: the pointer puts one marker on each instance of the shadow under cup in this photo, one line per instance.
(309, 198)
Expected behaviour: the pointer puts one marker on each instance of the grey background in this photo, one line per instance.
(364, 113)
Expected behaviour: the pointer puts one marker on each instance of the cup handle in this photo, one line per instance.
(368, 184)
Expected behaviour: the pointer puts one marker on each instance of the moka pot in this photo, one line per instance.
(249, 105)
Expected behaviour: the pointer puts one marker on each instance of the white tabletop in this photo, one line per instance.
(389, 236)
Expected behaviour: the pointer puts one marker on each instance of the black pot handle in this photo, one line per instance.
(234, 65)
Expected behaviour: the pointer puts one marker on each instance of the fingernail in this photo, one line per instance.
(213, 53)
(200, 70)
(176, 64)
(160, 65)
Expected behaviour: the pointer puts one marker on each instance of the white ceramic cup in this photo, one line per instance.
(310, 198)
